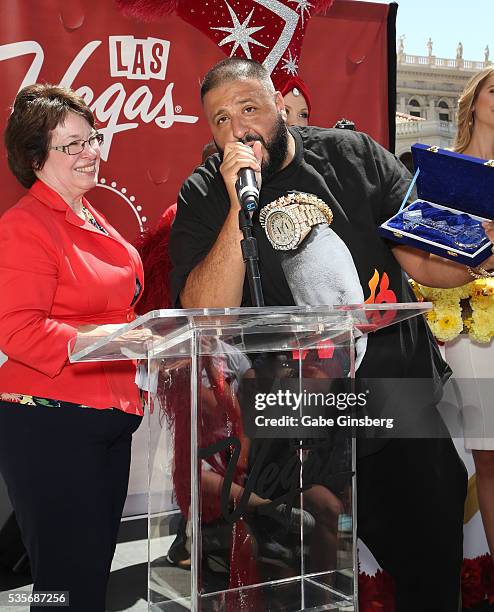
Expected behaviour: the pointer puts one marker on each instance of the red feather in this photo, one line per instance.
(147, 10)
(153, 249)
(321, 6)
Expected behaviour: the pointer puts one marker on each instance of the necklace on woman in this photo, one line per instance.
(88, 215)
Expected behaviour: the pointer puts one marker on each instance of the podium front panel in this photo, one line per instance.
(262, 483)
(250, 435)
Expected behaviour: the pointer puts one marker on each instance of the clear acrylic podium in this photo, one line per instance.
(251, 482)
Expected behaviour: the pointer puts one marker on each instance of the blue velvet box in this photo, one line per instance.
(455, 193)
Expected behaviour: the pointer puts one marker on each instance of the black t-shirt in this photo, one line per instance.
(364, 185)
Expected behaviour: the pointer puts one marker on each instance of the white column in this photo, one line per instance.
(430, 113)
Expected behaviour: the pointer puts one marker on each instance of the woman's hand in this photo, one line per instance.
(99, 331)
(488, 226)
(134, 343)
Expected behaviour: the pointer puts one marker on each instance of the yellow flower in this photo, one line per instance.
(447, 320)
(482, 326)
(446, 323)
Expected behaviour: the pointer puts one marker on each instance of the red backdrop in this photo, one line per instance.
(142, 82)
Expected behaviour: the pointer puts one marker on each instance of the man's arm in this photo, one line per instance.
(217, 281)
(434, 271)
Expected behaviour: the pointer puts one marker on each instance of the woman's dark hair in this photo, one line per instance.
(37, 111)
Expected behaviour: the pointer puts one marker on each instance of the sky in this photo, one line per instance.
(447, 22)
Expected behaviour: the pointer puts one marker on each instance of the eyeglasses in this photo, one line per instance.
(76, 147)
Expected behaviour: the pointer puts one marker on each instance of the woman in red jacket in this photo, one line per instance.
(65, 429)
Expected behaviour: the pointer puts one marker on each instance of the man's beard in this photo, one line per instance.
(276, 148)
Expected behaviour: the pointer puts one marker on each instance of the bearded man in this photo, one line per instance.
(410, 491)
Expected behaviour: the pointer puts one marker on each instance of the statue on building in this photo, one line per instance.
(486, 53)
(429, 46)
(401, 44)
(459, 51)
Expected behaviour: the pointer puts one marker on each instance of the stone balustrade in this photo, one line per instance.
(405, 59)
(425, 128)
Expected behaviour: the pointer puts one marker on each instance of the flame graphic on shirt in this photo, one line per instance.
(384, 295)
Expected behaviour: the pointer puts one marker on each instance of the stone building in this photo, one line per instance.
(427, 91)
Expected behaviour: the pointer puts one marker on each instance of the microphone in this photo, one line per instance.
(247, 189)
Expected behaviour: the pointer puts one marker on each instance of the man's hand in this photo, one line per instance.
(236, 157)
(218, 280)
